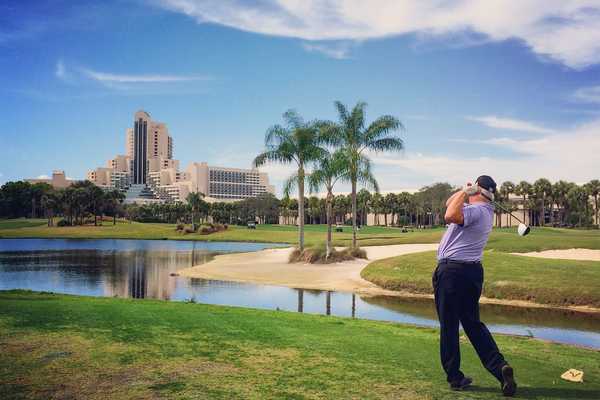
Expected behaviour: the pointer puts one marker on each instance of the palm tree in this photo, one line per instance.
(377, 205)
(542, 189)
(194, 200)
(49, 203)
(327, 173)
(593, 187)
(524, 189)
(114, 199)
(352, 137)
(363, 199)
(506, 189)
(559, 194)
(295, 143)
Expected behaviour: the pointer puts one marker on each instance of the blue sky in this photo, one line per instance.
(508, 88)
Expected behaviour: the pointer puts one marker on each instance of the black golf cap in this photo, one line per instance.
(486, 182)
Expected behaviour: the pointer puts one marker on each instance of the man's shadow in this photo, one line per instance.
(545, 393)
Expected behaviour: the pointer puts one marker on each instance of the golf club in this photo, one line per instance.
(522, 229)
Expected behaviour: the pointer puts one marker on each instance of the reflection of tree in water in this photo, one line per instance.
(319, 293)
(495, 314)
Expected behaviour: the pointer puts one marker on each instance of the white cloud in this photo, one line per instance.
(110, 78)
(42, 177)
(570, 155)
(336, 50)
(511, 124)
(128, 83)
(565, 31)
(589, 94)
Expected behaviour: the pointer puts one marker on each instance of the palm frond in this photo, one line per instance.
(357, 117)
(290, 184)
(365, 174)
(342, 111)
(330, 133)
(276, 135)
(293, 119)
(382, 127)
(272, 155)
(386, 144)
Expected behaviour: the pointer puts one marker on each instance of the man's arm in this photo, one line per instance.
(454, 212)
(459, 193)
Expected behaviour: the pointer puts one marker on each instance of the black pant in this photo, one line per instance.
(457, 289)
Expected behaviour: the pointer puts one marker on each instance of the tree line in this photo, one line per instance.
(75, 204)
(557, 204)
(84, 202)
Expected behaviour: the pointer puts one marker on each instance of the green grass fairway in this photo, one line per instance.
(57, 346)
(6, 224)
(263, 233)
(504, 239)
(546, 281)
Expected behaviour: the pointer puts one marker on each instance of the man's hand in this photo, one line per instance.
(470, 189)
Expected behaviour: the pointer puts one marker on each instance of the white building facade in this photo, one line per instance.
(149, 173)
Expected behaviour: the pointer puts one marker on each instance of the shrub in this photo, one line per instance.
(206, 230)
(357, 252)
(189, 230)
(180, 227)
(318, 255)
(63, 222)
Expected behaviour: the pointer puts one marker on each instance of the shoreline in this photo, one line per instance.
(270, 267)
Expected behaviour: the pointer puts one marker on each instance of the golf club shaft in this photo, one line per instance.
(505, 210)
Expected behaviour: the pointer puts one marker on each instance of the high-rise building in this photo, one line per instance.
(149, 173)
(151, 145)
(57, 181)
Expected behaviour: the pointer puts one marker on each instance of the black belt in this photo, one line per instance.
(451, 261)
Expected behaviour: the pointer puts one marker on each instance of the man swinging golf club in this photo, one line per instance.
(458, 281)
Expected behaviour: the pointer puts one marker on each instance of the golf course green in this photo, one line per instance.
(502, 239)
(507, 277)
(58, 346)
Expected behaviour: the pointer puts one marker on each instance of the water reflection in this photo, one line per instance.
(149, 269)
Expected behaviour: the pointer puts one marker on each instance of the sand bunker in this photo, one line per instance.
(567, 254)
(271, 267)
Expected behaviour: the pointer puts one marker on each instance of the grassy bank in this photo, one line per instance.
(56, 346)
(501, 239)
(546, 281)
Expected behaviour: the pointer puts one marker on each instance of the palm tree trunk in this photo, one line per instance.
(524, 207)
(301, 207)
(543, 215)
(596, 204)
(353, 213)
(329, 223)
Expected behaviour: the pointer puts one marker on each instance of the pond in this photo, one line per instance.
(148, 269)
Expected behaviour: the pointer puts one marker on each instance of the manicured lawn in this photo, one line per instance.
(57, 346)
(547, 281)
(21, 223)
(501, 239)
(263, 233)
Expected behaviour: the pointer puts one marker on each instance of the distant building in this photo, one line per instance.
(57, 181)
(148, 173)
